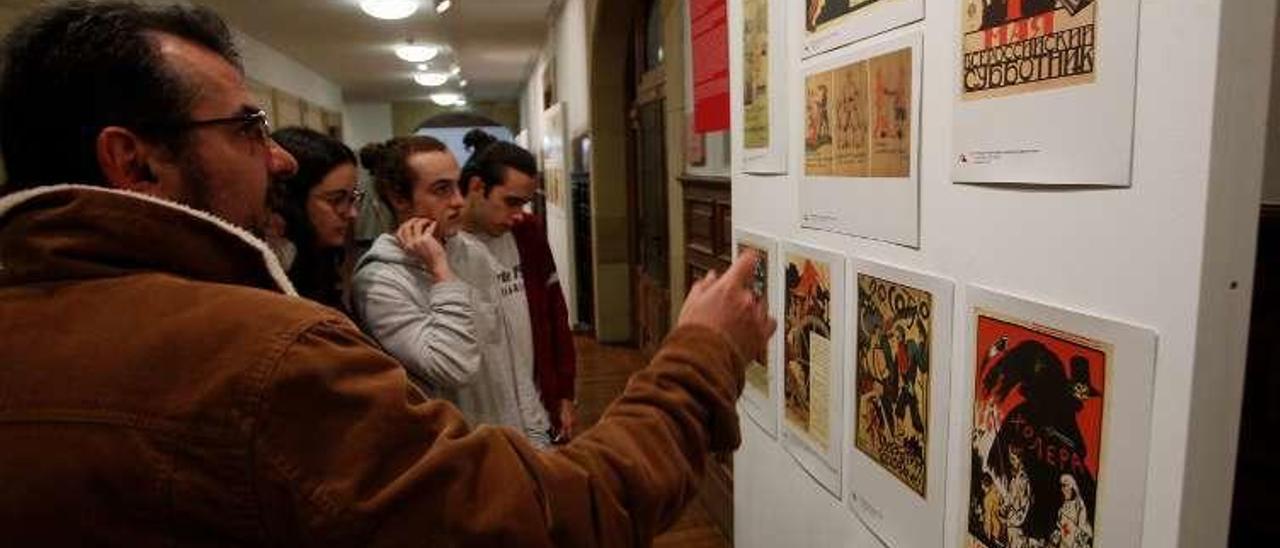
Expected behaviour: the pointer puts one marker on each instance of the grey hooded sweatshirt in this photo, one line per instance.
(449, 336)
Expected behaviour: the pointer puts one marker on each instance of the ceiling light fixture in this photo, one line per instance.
(445, 99)
(417, 53)
(455, 70)
(423, 66)
(389, 9)
(443, 5)
(431, 79)
(462, 83)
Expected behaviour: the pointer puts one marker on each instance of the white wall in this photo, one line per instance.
(365, 123)
(567, 45)
(266, 65)
(1157, 254)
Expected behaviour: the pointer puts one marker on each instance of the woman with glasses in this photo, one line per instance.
(318, 205)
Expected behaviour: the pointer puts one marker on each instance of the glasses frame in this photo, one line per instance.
(258, 120)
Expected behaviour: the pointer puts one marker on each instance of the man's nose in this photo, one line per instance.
(279, 162)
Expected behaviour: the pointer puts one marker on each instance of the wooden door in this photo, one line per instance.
(652, 294)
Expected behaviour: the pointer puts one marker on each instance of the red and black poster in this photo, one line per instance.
(709, 36)
(1038, 405)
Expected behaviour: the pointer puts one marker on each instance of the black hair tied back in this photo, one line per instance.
(477, 140)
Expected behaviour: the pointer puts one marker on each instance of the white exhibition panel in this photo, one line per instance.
(1075, 135)
(1134, 254)
(771, 158)
(765, 407)
(879, 208)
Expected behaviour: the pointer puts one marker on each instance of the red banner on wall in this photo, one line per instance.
(709, 33)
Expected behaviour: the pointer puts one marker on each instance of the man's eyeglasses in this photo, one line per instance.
(253, 124)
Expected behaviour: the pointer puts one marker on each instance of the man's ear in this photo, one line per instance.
(125, 160)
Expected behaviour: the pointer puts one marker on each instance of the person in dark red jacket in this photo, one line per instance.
(554, 360)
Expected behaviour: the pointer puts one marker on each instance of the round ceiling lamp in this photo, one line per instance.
(431, 79)
(415, 53)
(443, 5)
(448, 99)
(389, 9)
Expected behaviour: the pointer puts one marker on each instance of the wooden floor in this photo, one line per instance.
(602, 373)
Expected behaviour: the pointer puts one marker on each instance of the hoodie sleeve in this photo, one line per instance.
(436, 343)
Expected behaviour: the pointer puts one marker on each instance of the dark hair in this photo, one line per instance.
(72, 69)
(388, 163)
(314, 272)
(490, 159)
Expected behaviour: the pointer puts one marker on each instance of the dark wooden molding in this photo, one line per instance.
(715, 182)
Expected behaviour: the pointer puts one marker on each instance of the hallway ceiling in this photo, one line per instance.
(496, 42)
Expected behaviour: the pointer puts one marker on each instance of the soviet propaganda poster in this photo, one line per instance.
(818, 148)
(823, 14)
(895, 332)
(891, 122)
(1038, 406)
(755, 82)
(807, 347)
(852, 120)
(1019, 46)
(758, 369)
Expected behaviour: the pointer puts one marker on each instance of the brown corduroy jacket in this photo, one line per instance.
(159, 387)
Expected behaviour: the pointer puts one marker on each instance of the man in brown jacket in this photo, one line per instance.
(160, 385)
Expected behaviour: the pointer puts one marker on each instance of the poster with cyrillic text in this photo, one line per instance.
(1045, 92)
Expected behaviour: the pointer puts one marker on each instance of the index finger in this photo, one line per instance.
(742, 268)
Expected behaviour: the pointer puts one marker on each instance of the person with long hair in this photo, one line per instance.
(498, 181)
(318, 205)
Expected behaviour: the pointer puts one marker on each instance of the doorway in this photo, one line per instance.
(650, 243)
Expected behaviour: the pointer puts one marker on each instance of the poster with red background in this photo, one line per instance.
(709, 36)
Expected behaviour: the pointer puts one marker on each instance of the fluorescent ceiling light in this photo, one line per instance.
(447, 99)
(431, 79)
(422, 66)
(389, 9)
(417, 53)
(455, 70)
(462, 83)
(443, 5)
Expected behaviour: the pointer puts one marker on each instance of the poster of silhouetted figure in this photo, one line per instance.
(1037, 435)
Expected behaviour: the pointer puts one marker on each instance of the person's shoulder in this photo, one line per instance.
(239, 303)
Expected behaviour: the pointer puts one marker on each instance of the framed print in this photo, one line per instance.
(829, 24)
(760, 398)
(861, 140)
(813, 361)
(554, 173)
(899, 401)
(1057, 426)
(759, 59)
(1046, 92)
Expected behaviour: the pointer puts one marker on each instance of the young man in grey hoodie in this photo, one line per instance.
(450, 335)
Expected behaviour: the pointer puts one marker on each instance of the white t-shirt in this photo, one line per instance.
(508, 284)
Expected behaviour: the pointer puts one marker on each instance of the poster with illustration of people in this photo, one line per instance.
(829, 24)
(1060, 410)
(758, 85)
(861, 140)
(759, 399)
(812, 369)
(899, 406)
(1046, 91)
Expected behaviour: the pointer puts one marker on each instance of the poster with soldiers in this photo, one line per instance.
(861, 140)
(899, 407)
(1045, 92)
(812, 360)
(830, 24)
(759, 398)
(1059, 410)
